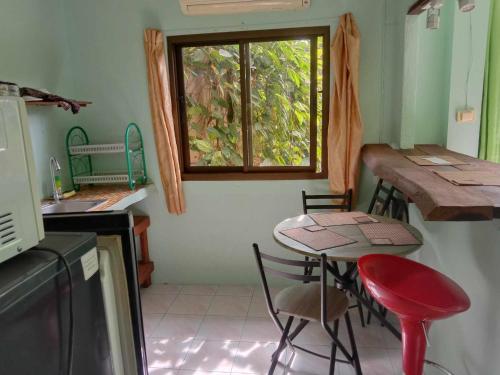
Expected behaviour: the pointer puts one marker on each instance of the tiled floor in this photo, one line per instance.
(216, 330)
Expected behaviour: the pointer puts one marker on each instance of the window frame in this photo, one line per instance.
(243, 38)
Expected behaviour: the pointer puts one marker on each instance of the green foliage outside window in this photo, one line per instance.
(280, 85)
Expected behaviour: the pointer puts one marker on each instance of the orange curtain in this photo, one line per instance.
(163, 123)
(345, 131)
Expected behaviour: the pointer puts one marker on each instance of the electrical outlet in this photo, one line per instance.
(466, 115)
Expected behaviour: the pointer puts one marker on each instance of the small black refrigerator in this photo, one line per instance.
(35, 312)
(119, 224)
(34, 300)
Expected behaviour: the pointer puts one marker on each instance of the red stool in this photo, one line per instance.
(417, 294)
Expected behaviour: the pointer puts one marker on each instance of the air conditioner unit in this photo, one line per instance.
(204, 7)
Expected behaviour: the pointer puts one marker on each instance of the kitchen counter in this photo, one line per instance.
(117, 197)
(435, 197)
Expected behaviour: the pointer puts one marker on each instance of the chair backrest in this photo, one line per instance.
(386, 199)
(260, 257)
(345, 205)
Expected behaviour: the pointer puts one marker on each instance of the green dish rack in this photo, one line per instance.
(80, 153)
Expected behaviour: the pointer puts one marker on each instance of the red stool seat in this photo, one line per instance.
(417, 294)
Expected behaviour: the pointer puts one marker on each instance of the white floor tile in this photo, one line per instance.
(210, 356)
(259, 292)
(235, 290)
(260, 329)
(304, 363)
(156, 303)
(162, 289)
(199, 290)
(258, 307)
(390, 341)
(190, 305)
(230, 306)
(226, 330)
(396, 358)
(166, 353)
(221, 328)
(369, 336)
(150, 322)
(254, 357)
(375, 361)
(314, 334)
(199, 372)
(181, 327)
(161, 371)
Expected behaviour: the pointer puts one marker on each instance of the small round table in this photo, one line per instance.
(348, 253)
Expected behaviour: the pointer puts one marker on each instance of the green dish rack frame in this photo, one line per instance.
(80, 152)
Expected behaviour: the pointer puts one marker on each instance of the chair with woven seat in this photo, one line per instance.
(314, 301)
(418, 295)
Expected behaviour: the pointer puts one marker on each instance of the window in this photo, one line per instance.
(251, 105)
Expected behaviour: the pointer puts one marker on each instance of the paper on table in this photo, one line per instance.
(314, 228)
(385, 232)
(471, 178)
(430, 160)
(319, 240)
(341, 218)
(381, 241)
(436, 160)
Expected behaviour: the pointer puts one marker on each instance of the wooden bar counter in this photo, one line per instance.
(436, 198)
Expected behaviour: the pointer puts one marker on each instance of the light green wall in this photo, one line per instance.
(223, 218)
(464, 138)
(435, 66)
(427, 62)
(468, 253)
(433, 78)
(393, 47)
(34, 53)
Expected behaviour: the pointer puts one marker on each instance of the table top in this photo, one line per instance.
(437, 198)
(351, 252)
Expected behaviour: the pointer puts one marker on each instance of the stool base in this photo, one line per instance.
(414, 345)
(439, 367)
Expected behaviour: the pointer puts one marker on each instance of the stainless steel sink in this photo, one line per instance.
(70, 206)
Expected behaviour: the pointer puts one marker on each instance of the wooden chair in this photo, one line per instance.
(146, 267)
(314, 301)
(342, 202)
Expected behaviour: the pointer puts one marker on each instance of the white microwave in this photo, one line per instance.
(21, 225)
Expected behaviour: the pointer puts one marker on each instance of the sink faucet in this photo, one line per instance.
(56, 179)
